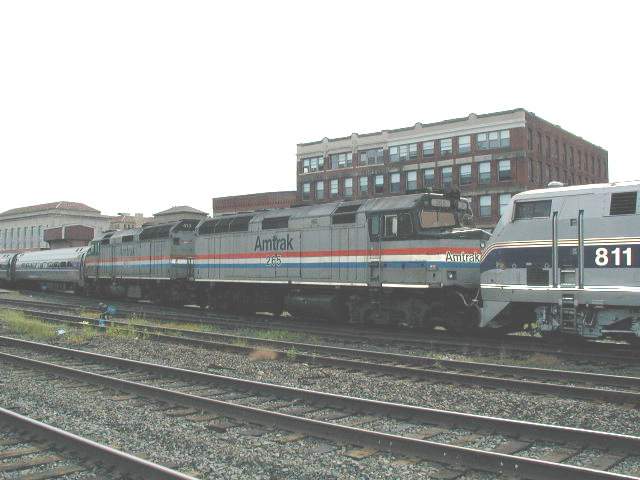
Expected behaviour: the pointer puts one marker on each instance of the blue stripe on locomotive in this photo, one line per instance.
(521, 257)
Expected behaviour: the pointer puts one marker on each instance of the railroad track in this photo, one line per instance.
(563, 383)
(369, 425)
(31, 450)
(517, 346)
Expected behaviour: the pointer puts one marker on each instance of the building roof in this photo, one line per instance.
(45, 207)
(424, 125)
(180, 209)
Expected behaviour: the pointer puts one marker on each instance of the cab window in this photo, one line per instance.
(374, 227)
(436, 219)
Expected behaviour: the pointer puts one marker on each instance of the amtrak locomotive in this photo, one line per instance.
(411, 259)
(566, 259)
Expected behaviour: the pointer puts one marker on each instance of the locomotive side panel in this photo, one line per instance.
(567, 259)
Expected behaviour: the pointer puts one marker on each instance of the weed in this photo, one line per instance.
(21, 324)
(291, 354)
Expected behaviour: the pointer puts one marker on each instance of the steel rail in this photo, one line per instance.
(122, 461)
(398, 364)
(616, 352)
(523, 467)
(423, 414)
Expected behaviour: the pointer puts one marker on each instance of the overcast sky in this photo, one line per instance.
(140, 105)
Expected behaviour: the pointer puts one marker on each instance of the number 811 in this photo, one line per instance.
(603, 257)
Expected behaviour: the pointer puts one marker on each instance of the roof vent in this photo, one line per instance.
(555, 184)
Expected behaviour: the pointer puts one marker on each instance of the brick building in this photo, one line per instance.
(488, 157)
(254, 201)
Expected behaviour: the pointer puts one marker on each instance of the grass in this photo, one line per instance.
(25, 326)
(18, 323)
(278, 335)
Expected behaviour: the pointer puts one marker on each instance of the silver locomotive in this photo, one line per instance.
(566, 259)
(408, 259)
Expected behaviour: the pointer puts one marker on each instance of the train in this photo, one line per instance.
(404, 260)
(561, 261)
(566, 259)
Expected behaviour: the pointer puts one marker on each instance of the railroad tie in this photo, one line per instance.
(19, 452)
(53, 473)
(31, 462)
(292, 437)
(360, 453)
(604, 461)
(510, 447)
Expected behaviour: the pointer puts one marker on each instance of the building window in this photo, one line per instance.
(378, 186)
(539, 143)
(364, 186)
(505, 198)
(394, 183)
(412, 181)
(548, 140)
(465, 174)
(571, 157)
(348, 187)
(445, 146)
(447, 177)
(429, 177)
(504, 170)
(531, 171)
(375, 156)
(485, 206)
(427, 149)
(402, 153)
(529, 139)
(306, 191)
(312, 164)
(484, 172)
(341, 160)
(319, 190)
(333, 188)
(490, 140)
(505, 138)
(464, 144)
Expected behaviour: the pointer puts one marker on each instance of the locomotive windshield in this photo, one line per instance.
(437, 219)
(444, 213)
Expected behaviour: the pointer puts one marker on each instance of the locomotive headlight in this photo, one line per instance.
(483, 244)
(451, 275)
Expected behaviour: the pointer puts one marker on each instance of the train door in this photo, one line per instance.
(374, 251)
(340, 259)
(566, 251)
(286, 265)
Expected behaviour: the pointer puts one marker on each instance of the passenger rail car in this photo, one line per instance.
(568, 259)
(405, 259)
(149, 262)
(6, 267)
(59, 269)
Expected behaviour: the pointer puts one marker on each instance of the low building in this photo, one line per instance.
(125, 221)
(182, 212)
(68, 236)
(23, 228)
(488, 157)
(254, 201)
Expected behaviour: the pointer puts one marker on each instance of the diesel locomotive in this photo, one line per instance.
(566, 259)
(411, 259)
